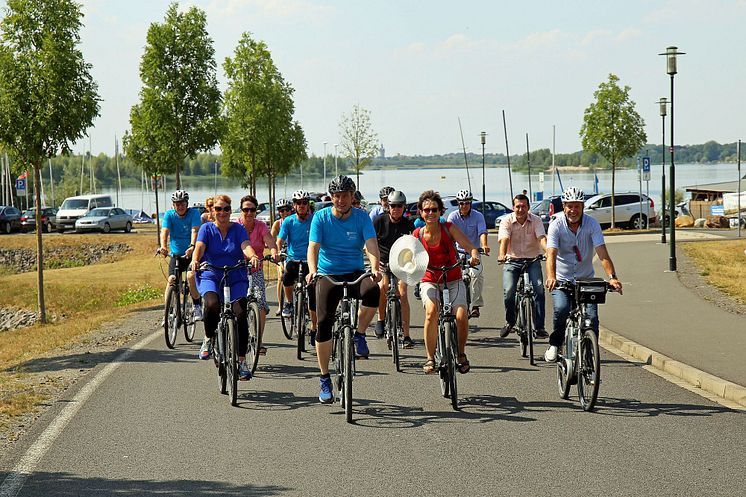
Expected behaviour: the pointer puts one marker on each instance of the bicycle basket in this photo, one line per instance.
(590, 291)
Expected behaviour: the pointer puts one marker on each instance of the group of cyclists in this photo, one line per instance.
(336, 240)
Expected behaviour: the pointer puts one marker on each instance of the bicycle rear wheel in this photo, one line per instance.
(187, 314)
(565, 363)
(528, 320)
(338, 357)
(348, 372)
(171, 317)
(589, 370)
(287, 323)
(231, 364)
(255, 341)
(452, 357)
(393, 318)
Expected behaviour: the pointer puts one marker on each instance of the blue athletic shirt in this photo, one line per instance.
(295, 233)
(180, 229)
(341, 241)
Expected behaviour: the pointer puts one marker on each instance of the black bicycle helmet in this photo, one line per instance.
(384, 192)
(341, 184)
(358, 196)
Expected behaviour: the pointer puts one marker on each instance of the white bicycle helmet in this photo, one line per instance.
(573, 194)
(301, 195)
(283, 202)
(464, 196)
(180, 196)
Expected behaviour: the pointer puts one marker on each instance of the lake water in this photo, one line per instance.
(448, 181)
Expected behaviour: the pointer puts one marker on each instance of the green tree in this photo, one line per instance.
(612, 127)
(47, 95)
(358, 140)
(179, 99)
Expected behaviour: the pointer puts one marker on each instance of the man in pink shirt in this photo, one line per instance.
(522, 237)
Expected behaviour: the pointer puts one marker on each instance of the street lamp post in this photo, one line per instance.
(671, 53)
(335, 159)
(483, 137)
(325, 164)
(662, 103)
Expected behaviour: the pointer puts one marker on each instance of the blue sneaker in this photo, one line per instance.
(361, 346)
(326, 396)
(244, 373)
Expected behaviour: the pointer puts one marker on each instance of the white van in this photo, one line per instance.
(73, 208)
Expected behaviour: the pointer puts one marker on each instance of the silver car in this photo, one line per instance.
(104, 219)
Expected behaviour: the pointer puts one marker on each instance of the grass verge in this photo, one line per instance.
(722, 264)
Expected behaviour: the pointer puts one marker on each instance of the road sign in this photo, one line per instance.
(717, 210)
(646, 168)
(21, 186)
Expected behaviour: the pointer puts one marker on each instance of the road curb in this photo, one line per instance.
(697, 378)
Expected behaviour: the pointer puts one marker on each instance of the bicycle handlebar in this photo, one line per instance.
(540, 257)
(568, 285)
(334, 282)
(206, 265)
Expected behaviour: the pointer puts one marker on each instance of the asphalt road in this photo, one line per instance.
(158, 426)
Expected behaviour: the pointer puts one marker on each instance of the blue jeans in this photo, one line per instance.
(562, 300)
(511, 274)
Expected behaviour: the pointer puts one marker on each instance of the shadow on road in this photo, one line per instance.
(633, 408)
(66, 484)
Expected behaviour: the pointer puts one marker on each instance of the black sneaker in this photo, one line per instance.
(541, 334)
(380, 329)
(505, 330)
(417, 291)
(407, 343)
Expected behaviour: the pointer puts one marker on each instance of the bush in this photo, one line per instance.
(139, 294)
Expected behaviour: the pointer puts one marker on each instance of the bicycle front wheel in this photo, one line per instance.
(255, 341)
(440, 362)
(348, 373)
(299, 324)
(231, 365)
(338, 357)
(589, 370)
(190, 325)
(528, 320)
(171, 317)
(452, 356)
(521, 327)
(220, 354)
(287, 323)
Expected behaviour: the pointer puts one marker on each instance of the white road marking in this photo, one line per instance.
(18, 475)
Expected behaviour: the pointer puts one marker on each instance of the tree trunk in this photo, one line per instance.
(39, 252)
(178, 177)
(613, 181)
(157, 214)
(357, 173)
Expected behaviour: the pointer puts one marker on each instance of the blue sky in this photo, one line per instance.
(419, 65)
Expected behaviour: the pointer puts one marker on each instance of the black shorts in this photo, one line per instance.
(290, 277)
(329, 296)
(183, 265)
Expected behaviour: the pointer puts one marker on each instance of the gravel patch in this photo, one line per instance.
(23, 260)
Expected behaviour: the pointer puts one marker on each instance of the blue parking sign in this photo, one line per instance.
(21, 186)
(646, 164)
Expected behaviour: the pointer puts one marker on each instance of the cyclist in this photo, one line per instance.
(521, 236)
(471, 223)
(294, 232)
(224, 243)
(357, 200)
(438, 239)
(208, 216)
(335, 248)
(181, 224)
(260, 238)
(389, 228)
(383, 206)
(573, 238)
(284, 209)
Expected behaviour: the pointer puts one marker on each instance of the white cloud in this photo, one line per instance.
(278, 9)
(628, 34)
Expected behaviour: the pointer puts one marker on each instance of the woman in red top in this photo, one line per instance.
(438, 239)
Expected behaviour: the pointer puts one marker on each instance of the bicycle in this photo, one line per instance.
(580, 362)
(446, 349)
(466, 278)
(393, 322)
(343, 347)
(525, 303)
(224, 346)
(254, 318)
(179, 308)
(297, 326)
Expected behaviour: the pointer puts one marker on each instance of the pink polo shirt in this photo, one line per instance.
(256, 236)
(524, 238)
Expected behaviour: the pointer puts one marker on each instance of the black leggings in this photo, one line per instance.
(329, 295)
(212, 317)
(290, 277)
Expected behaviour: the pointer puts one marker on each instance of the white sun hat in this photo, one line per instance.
(408, 259)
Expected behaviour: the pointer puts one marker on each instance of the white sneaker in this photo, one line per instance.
(197, 312)
(204, 351)
(551, 354)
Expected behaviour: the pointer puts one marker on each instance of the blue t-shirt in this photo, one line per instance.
(341, 241)
(180, 229)
(295, 233)
(221, 251)
(473, 226)
(574, 250)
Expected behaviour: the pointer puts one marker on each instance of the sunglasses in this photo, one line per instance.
(430, 211)
(464, 203)
(284, 209)
(396, 206)
(301, 202)
(248, 209)
(227, 208)
(577, 253)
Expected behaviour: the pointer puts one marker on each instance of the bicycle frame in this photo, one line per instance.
(525, 303)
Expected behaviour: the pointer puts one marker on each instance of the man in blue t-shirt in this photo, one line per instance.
(335, 249)
(294, 232)
(181, 225)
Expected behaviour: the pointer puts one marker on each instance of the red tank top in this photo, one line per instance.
(443, 254)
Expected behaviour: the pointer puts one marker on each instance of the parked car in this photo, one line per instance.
(73, 208)
(626, 208)
(547, 208)
(48, 219)
(261, 208)
(10, 219)
(104, 219)
(449, 202)
(492, 211)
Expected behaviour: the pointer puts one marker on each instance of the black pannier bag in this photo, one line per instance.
(590, 291)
